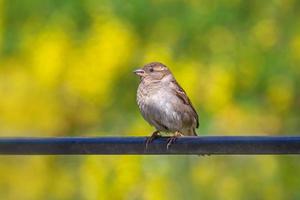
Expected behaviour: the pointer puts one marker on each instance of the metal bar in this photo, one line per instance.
(208, 145)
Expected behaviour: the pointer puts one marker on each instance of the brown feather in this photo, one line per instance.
(181, 94)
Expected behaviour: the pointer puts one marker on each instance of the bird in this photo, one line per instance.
(164, 104)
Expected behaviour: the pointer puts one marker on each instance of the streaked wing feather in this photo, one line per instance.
(180, 93)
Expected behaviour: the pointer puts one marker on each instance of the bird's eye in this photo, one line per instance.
(151, 69)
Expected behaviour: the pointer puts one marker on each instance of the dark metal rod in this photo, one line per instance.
(204, 145)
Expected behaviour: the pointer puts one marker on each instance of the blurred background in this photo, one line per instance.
(66, 70)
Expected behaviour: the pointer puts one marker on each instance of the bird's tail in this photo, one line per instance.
(192, 132)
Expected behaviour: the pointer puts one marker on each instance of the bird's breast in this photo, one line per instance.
(159, 109)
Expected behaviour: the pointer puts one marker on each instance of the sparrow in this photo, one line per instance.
(164, 104)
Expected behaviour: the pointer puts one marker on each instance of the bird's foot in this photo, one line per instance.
(173, 139)
(150, 139)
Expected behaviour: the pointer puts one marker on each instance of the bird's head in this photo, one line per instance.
(153, 71)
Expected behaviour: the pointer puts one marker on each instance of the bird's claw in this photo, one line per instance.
(150, 139)
(171, 141)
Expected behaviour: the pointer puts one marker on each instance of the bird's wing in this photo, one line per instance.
(180, 93)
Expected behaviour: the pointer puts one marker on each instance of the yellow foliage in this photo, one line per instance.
(219, 87)
(280, 93)
(295, 47)
(266, 33)
(1, 23)
(93, 67)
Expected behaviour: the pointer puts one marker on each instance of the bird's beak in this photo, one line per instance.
(139, 72)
